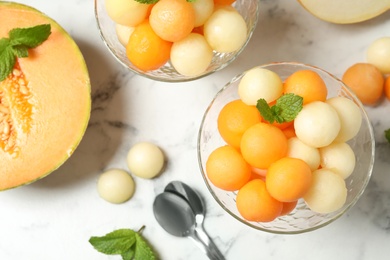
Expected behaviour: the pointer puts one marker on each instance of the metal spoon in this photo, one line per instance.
(176, 216)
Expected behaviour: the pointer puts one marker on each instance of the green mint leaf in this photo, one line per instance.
(290, 105)
(20, 51)
(387, 134)
(147, 1)
(286, 108)
(128, 255)
(265, 110)
(142, 249)
(30, 37)
(7, 60)
(117, 242)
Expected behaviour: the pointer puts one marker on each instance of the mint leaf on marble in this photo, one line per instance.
(17, 44)
(286, 108)
(125, 242)
(387, 134)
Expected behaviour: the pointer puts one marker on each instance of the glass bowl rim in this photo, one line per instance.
(173, 80)
(350, 94)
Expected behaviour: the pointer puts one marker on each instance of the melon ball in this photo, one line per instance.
(123, 33)
(298, 149)
(259, 83)
(317, 124)
(203, 9)
(349, 115)
(192, 55)
(127, 12)
(115, 186)
(225, 30)
(145, 160)
(378, 54)
(338, 157)
(327, 193)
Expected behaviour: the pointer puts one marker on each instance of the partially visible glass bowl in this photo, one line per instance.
(302, 219)
(248, 9)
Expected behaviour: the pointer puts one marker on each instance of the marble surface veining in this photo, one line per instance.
(54, 217)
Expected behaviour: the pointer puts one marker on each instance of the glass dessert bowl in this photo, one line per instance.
(107, 27)
(302, 218)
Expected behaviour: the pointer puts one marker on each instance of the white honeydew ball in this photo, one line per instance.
(225, 30)
(259, 83)
(338, 157)
(192, 55)
(145, 160)
(378, 54)
(123, 33)
(327, 192)
(317, 124)
(203, 9)
(115, 186)
(349, 115)
(298, 149)
(127, 12)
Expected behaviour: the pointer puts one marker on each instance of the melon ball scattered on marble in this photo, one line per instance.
(349, 115)
(126, 12)
(338, 157)
(327, 193)
(115, 186)
(145, 160)
(123, 33)
(317, 124)
(225, 30)
(259, 83)
(298, 149)
(192, 55)
(203, 10)
(378, 54)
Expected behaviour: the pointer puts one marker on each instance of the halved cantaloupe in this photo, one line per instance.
(44, 104)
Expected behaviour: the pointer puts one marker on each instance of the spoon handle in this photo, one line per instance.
(205, 243)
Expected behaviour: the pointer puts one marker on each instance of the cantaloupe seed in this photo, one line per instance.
(15, 110)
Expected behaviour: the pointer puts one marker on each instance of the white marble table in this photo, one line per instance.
(54, 217)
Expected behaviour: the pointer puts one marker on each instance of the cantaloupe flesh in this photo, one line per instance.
(346, 11)
(59, 96)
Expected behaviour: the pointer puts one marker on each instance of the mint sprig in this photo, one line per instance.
(125, 242)
(19, 41)
(387, 134)
(286, 108)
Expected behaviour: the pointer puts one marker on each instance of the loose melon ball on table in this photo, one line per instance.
(145, 160)
(338, 157)
(254, 202)
(317, 124)
(378, 54)
(259, 83)
(172, 20)
(123, 33)
(234, 119)
(349, 115)
(227, 169)
(225, 30)
(387, 87)
(127, 12)
(262, 144)
(307, 84)
(192, 55)
(327, 193)
(203, 9)
(288, 179)
(366, 81)
(45, 101)
(115, 186)
(307, 153)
